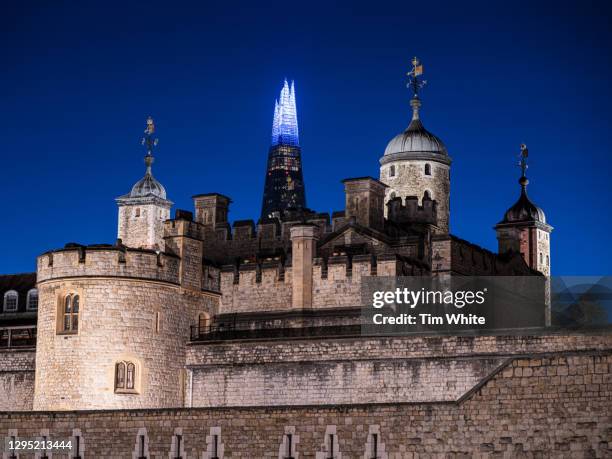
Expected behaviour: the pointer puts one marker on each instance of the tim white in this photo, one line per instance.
(428, 319)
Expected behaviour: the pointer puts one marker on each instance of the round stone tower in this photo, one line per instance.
(113, 321)
(112, 328)
(416, 162)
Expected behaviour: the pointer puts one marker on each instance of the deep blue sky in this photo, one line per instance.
(79, 78)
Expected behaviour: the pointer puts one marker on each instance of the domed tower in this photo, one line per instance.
(144, 209)
(524, 229)
(416, 162)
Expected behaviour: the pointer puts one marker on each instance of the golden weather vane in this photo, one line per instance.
(417, 70)
(148, 141)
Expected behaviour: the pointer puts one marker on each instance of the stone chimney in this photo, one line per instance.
(365, 198)
(303, 242)
(211, 209)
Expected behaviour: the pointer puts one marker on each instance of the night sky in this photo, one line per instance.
(78, 80)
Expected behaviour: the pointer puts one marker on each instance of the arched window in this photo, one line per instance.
(70, 312)
(11, 300)
(427, 195)
(427, 169)
(125, 376)
(120, 375)
(392, 195)
(130, 375)
(392, 171)
(32, 300)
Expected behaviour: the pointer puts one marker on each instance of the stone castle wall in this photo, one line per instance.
(338, 371)
(131, 310)
(536, 406)
(269, 287)
(108, 262)
(16, 379)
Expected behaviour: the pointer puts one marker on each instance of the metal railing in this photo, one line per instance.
(293, 327)
(18, 337)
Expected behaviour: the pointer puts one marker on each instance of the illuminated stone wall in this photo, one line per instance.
(536, 406)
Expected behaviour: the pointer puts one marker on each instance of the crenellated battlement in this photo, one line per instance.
(411, 212)
(267, 286)
(108, 261)
(183, 225)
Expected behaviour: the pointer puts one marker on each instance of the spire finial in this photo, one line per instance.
(149, 143)
(415, 84)
(284, 124)
(523, 165)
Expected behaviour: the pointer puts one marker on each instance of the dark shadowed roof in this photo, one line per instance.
(22, 284)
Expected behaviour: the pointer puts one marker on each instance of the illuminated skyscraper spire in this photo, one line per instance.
(284, 187)
(285, 125)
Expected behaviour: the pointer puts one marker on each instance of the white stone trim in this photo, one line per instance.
(11, 433)
(283, 449)
(369, 449)
(174, 450)
(326, 452)
(137, 453)
(210, 451)
(43, 433)
(81, 451)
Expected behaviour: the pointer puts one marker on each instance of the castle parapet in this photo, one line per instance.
(183, 225)
(411, 212)
(338, 219)
(270, 285)
(244, 230)
(108, 261)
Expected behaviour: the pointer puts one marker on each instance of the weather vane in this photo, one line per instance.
(148, 140)
(523, 161)
(415, 84)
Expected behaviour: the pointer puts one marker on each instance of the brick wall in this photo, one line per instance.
(555, 406)
(338, 382)
(359, 370)
(16, 379)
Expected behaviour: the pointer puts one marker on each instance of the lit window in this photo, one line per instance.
(11, 299)
(32, 300)
(392, 171)
(427, 169)
(70, 312)
(125, 377)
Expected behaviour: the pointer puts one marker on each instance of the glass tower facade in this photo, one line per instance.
(284, 185)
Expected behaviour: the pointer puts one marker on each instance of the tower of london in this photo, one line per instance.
(192, 335)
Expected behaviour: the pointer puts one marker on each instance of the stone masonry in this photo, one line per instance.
(555, 405)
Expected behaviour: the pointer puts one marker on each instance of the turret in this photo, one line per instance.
(524, 229)
(416, 162)
(144, 209)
